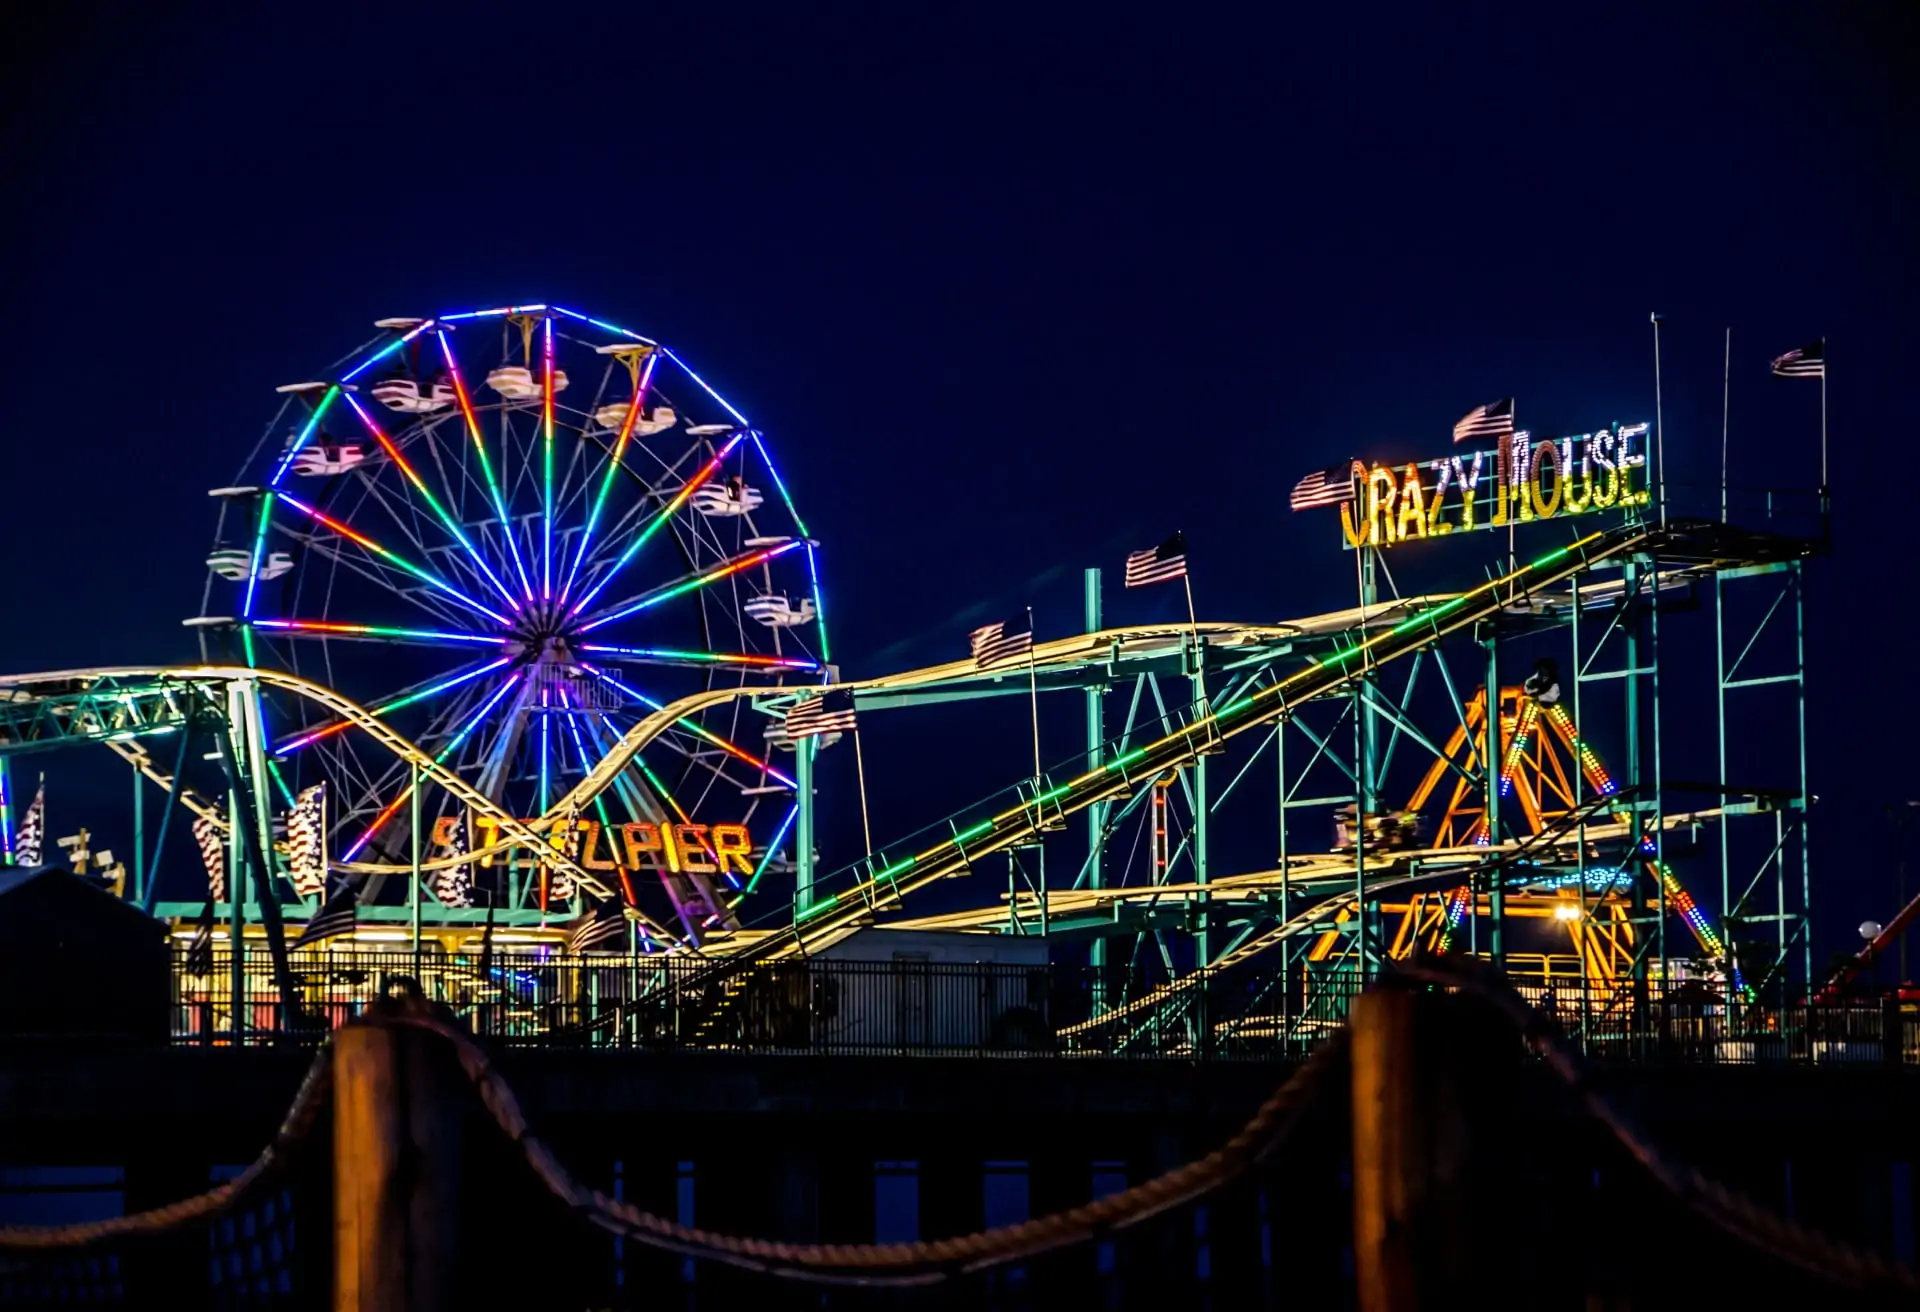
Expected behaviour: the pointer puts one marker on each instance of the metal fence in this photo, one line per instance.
(925, 1008)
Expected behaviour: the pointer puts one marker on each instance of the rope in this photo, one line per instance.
(921, 1263)
(166, 1219)
(1751, 1222)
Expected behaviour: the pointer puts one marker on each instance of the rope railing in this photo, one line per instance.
(932, 1261)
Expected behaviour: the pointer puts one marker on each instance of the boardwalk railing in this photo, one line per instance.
(940, 1009)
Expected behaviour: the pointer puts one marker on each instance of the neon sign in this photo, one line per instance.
(1522, 482)
(638, 845)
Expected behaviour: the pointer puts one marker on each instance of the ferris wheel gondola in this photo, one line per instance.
(777, 612)
(733, 497)
(513, 579)
(408, 396)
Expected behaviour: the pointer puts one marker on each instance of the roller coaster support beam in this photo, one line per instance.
(1630, 602)
(139, 889)
(803, 853)
(1096, 737)
(1743, 668)
(243, 757)
(167, 808)
(1496, 895)
(1202, 802)
(236, 908)
(1366, 772)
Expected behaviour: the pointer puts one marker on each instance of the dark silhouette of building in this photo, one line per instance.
(76, 962)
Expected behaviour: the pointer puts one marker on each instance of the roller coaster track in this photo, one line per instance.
(1425, 621)
(1509, 854)
(517, 833)
(1311, 875)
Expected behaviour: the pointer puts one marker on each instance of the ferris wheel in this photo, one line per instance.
(511, 533)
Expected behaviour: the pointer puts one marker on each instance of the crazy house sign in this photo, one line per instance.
(1521, 482)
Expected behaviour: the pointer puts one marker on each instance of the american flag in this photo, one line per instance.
(993, 643)
(1161, 564)
(830, 712)
(1327, 487)
(200, 946)
(339, 916)
(213, 855)
(453, 885)
(603, 923)
(1494, 419)
(1810, 361)
(30, 843)
(307, 842)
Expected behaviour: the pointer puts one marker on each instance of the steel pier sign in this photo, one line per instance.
(1521, 482)
(696, 849)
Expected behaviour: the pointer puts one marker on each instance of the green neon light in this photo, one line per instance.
(1049, 795)
(1428, 616)
(894, 869)
(983, 827)
(1551, 556)
(273, 768)
(1120, 762)
(819, 908)
(766, 859)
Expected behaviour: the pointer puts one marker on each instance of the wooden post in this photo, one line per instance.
(396, 1161)
(1386, 1134)
(1413, 1200)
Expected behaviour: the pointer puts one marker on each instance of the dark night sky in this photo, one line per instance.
(1012, 288)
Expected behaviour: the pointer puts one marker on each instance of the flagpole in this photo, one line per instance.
(1659, 422)
(1199, 655)
(1193, 623)
(860, 771)
(1726, 403)
(1033, 695)
(1823, 420)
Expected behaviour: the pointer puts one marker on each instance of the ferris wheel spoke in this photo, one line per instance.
(427, 599)
(663, 656)
(426, 576)
(662, 516)
(689, 725)
(377, 633)
(486, 466)
(646, 601)
(406, 697)
(616, 458)
(447, 521)
(453, 744)
(546, 461)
